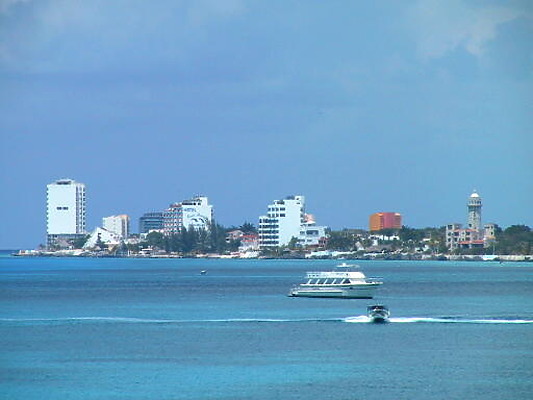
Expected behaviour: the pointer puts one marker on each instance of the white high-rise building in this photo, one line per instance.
(118, 224)
(65, 213)
(195, 213)
(282, 223)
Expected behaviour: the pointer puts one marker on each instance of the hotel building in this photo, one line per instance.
(385, 220)
(118, 224)
(65, 212)
(286, 219)
(151, 221)
(195, 213)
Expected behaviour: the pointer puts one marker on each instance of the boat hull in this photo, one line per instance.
(378, 314)
(351, 292)
(379, 319)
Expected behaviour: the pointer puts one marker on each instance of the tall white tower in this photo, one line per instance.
(65, 213)
(474, 211)
(282, 222)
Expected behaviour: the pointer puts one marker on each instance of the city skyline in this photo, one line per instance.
(119, 224)
(362, 108)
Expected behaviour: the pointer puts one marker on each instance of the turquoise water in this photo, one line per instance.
(157, 329)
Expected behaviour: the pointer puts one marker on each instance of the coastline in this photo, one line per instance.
(309, 256)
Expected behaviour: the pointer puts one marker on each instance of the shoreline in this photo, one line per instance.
(244, 256)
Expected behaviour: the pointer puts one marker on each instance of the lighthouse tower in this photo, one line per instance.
(474, 212)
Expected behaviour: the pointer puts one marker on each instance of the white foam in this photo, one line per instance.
(354, 319)
(357, 320)
(159, 321)
(454, 320)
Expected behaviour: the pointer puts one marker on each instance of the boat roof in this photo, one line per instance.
(377, 307)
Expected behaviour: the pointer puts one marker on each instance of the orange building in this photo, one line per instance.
(385, 220)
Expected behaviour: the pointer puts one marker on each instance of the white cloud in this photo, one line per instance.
(57, 34)
(442, 27)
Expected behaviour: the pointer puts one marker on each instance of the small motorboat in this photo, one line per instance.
(203, 272)
(378, 313)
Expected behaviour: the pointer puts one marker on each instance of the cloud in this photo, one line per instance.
(69, 34)
(443, 27)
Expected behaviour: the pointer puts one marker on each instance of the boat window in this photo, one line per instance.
(346, 281)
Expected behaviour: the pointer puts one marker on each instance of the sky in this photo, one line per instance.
(361, 106)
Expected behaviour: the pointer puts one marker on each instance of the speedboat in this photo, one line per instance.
(378, 313)
(345, 281)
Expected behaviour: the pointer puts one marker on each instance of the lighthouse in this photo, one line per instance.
(474, 212)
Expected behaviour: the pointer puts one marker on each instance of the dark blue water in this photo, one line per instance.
(157, 329)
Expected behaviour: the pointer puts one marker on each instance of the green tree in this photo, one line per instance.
(218, 242)
(156, 240)
(293, 243)
(341, 241)
(407, 234)
(248, 227)
(99, 243)
(516, 239)
(80, 242)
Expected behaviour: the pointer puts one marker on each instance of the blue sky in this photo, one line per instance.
(360, 106)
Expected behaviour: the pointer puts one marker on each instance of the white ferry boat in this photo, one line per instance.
(345, 281)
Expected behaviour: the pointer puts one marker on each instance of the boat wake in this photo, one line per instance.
(126, 320)
(442, 320)
(354, 319)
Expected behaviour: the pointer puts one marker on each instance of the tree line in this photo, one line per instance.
(516, 239)
(193, 240)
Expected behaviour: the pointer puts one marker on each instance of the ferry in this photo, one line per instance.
(345, 281)
(378, 313)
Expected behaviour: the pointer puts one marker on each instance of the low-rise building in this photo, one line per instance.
(474, 235)
(102, 236)
(312, 235)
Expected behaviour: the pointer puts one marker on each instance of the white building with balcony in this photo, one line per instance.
(195, 213)
(286, 219)
(282, 222)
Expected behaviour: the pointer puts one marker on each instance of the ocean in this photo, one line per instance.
(103, 328)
